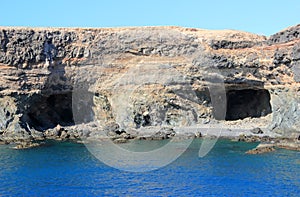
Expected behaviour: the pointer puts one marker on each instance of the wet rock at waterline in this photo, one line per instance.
(262, 148)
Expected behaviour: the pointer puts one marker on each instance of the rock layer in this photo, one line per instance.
(72, 83)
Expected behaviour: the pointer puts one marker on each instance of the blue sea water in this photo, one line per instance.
(69, 169)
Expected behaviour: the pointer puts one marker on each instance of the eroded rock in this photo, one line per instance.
(56, 82)
(262, 148)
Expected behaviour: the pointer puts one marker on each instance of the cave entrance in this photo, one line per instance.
(48, 112)
(247, 103)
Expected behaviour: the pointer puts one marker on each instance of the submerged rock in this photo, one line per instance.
(269, 146)
(120, 140)
(25, 145)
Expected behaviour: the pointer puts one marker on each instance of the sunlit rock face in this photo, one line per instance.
(147, 76)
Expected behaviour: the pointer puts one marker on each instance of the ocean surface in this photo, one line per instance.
(69, 169)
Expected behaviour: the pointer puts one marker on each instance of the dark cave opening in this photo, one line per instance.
(247, 103)
(142, 120)
(47, 112)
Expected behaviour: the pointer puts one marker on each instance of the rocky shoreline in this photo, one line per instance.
(149, 83)
(268, 141)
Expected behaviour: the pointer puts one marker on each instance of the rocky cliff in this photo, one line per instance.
(73, 83)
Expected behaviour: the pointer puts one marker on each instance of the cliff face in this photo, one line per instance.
(147, 76)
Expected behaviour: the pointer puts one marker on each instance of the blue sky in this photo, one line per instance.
(257, 16)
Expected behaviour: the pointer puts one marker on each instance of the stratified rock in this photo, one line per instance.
(290, 146)
(56, 82)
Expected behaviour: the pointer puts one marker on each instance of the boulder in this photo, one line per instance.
(262, 148)
(257, 131)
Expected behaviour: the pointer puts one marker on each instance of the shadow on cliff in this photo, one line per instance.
(53, 106)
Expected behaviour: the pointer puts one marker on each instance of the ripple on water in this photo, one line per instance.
(69, 169)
